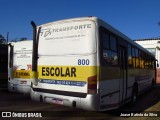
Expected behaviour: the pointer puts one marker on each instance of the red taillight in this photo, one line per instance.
(92, 85)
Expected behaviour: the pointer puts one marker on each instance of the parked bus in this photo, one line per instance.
(3, 66)
(86, 63)
(20, 65)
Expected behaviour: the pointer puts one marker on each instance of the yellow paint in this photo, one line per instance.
(33, 74)
(67, 72)
(22, 74)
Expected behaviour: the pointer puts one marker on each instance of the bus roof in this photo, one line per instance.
(100, 22)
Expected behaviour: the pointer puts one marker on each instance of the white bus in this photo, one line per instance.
(85, 63)
(20, 65)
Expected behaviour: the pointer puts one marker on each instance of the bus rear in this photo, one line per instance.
(20, 65)
(67, 64)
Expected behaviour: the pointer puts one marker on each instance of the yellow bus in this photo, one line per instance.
(86, 63)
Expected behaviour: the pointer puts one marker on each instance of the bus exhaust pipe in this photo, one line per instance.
(10, 70)
(34, 75)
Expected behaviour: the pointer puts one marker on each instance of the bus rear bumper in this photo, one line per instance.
(12, 87)
(90, 102)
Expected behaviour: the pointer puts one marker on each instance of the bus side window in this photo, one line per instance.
(133, 57)
(109, 49)
(145, 60)
(105, 40)
(113, 43)
(130, 61)
(141, 59)
(110, 57)
(137, 58)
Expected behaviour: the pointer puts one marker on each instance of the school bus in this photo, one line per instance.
(86, 63)
(19, 66)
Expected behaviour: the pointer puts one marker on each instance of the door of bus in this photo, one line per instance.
(123, 74)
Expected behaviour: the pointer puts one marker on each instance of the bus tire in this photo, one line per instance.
(134, 95)
(153, 83)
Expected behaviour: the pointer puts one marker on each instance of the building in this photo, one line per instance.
(153, 46)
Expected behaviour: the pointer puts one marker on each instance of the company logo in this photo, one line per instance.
(49, 31)
(6, 114)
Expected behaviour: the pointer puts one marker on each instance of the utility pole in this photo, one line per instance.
(7, 37)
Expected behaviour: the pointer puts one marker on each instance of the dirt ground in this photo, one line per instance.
(147, 104)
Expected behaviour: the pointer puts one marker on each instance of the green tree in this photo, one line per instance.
(2, 39)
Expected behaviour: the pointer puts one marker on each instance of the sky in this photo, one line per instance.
(138, 19)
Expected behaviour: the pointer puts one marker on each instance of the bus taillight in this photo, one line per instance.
(92, 85)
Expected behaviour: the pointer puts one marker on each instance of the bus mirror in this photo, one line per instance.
(157, 65)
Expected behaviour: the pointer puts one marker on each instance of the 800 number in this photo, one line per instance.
(83, 61)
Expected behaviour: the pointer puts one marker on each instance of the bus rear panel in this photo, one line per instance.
(67, 64)
(20, 65)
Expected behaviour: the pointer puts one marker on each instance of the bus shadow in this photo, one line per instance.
(145, 103)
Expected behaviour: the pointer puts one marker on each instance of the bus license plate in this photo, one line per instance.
(57, 101)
